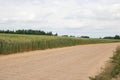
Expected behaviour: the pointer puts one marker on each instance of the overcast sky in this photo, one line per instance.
(95, 18)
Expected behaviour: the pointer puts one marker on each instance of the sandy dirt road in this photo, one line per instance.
(69, 63)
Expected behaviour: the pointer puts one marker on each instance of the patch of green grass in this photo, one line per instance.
(112, 71)
(14, 43)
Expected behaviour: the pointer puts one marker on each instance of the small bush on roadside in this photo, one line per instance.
(112, 71)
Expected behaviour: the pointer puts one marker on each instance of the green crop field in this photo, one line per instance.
(14, 43)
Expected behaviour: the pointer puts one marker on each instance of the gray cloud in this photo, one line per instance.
(77, 17)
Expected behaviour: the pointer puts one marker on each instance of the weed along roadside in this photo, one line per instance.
(112, 70)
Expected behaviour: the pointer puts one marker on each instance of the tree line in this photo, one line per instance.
(114, 37)
(32, 32)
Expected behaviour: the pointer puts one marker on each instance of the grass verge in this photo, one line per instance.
(112, 70)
